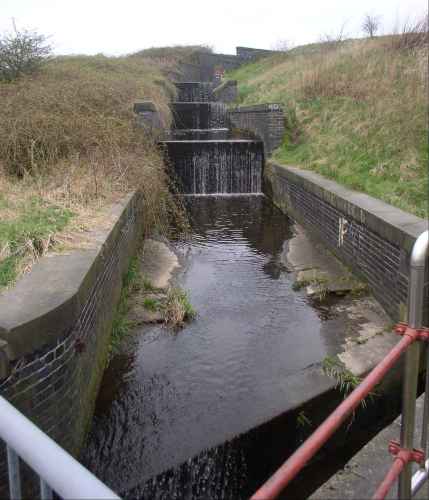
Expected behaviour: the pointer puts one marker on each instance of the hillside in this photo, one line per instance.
(356, 112)
(69, 148)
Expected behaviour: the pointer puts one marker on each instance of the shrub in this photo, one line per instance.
(22, 52)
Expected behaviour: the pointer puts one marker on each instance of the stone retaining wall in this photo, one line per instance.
(55, 329)
(370, 236)
(226, 91)
(266, 121)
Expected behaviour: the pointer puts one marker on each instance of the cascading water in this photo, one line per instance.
(195, 92)
(204, 157)
(200, 413)
(217, 166)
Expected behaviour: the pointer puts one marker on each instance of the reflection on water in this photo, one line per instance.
(177, 394)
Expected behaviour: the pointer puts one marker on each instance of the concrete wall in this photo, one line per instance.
(55, 329)
(148, 118)
(226, 91)
(213, 66)
(250, 54)
(263, 120)
(370, 236)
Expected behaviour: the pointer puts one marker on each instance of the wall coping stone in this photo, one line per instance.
(144, 106)
(257, 108)
(45, 303)
(395, 225)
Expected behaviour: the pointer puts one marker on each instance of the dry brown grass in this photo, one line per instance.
(68, 139)
(356, 114)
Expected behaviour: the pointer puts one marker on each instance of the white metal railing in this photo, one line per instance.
(58, 471)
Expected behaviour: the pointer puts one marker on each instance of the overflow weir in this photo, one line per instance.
(204, 155)
(212, 410)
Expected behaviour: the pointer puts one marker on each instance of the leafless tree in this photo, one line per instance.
(370, 25)
(21, 52)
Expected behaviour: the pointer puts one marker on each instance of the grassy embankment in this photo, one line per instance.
(356, 112)
(69, 148)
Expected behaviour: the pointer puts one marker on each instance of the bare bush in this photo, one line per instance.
(411, 35)
(330, 41)
(370, 25)
(22, 52)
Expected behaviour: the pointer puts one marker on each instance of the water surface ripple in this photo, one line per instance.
(171, 395)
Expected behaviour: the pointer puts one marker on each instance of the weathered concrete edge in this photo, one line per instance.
(256, 108)
(46, 302)
(310, 383)
(395, 225)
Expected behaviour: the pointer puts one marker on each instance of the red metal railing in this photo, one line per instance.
(404, 452)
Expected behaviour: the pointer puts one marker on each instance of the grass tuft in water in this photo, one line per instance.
(178, 308)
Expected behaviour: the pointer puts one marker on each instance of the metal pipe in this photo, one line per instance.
(14, 474)
(65, 475)
(387, 483)
(411, 368)
(425, 419)
(419, 478)
(310, 447)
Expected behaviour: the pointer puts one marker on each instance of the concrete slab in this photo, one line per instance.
(157, 263)
(318, 269)
(362, 475)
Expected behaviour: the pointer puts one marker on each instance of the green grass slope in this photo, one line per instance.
(355, 112)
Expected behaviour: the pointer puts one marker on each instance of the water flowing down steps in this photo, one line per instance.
(217, 166)
(205, 156)
(199, 115)
(195, 92)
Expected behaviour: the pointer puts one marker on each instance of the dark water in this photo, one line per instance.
(199, 115)
(172, 395)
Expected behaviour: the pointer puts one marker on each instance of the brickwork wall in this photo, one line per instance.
(266, 121)
(226, 91)
(371, 246)
(56, 386)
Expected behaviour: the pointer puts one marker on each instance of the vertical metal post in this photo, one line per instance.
(412, 357)
(14, 475)
(425, 420)
(45, 490)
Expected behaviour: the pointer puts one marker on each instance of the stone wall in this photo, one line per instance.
(226, 91)
(213, 66)
(266, 121)
(55, 329)
(250, 54)
(370, 236)
(148, 117)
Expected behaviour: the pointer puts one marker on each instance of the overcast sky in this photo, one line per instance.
(124, 26)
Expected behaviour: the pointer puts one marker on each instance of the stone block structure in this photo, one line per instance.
(263, 120)
(371, 237)
(55, 327)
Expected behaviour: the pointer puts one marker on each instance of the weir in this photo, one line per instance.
(205, 156)
(210, 411)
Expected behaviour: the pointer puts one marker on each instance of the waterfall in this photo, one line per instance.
(203, 156)
(219, 166)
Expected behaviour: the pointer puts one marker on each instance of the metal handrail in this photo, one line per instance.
(58, 471)
(418, 260)
(408, 485)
